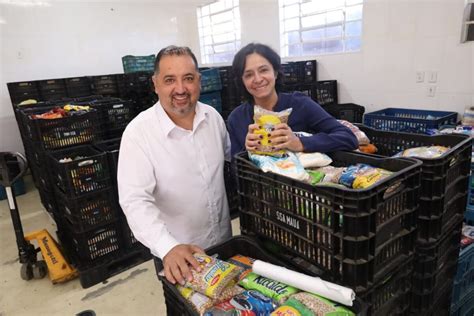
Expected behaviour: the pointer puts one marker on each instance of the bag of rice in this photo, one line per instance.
(215, 276)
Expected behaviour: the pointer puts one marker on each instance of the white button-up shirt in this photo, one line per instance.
(171, 180)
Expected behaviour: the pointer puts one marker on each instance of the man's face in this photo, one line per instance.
(178, 85)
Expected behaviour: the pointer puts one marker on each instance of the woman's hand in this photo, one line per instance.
(252, 140)
(282, 137)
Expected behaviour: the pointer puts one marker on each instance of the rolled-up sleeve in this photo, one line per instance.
(136, 187)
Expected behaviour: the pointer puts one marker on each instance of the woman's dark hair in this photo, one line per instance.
(238, 66)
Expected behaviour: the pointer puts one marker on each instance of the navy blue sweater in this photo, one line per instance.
(307, 116)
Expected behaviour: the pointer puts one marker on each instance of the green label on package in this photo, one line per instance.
(268, 287)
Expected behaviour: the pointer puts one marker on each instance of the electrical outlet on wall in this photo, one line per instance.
(433, 76)
(431, 91)
(420, 76)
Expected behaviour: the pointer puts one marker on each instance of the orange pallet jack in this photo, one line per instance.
(53, 260)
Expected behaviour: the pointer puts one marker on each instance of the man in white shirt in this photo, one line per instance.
(171, 168)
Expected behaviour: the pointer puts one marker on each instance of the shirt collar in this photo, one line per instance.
(168, 125)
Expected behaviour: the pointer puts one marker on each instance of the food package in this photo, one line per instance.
(423, 152)
(244, 262)
(361, 176)
(201, 302)
(270, 288)
(368, 149)
(360, 135)
(314, 160)
(215, 276)
(307, 304)
(288, 166)
(267, 120)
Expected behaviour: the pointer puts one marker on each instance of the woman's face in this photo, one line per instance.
(259, 77)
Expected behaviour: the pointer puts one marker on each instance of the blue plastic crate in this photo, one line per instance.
(210, 80)
(469, 216)
(213, 99)
(18, 189)
(138, 63)
(410, 121)
(463, 287)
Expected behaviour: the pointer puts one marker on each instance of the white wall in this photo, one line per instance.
(74, 39)
(400, 37)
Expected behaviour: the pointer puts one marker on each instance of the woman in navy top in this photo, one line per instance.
(258, 76)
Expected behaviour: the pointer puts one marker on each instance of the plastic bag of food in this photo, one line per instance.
(316, 176)
(331, 174)
(267, 120)
(314, 160)
(253, 301)
(288, 166)
(244, 262)
(308, 304)
(268, 287)
(215, 276)
(368, 149)
(201, 302)
(361, 176)
(423, 152)
(360, 135)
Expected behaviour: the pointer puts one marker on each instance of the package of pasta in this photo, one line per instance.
(288, 166)
(268, 287)
(267, 120)
(201, 302)
(331, 174)
(244, 262)
(215, 276)
(361, 176)
(307, 304)
(423, 152)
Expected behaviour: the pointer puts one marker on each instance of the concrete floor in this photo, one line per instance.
(136, 291)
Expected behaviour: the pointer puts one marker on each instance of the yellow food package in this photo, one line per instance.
(215, 277)
(267, 120)
(285, 311)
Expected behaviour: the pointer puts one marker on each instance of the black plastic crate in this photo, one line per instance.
(137, 83)
(115, 114)
(78, 87)
(347, 111)
(391, 295)
(438, 301)
(443, 179)
(292, 73)
(351, 235)
(87, 172)
(52, 89)
(21, 91)
(111, 148)
(310, 71)
(430, 259)
(104, 85)
(89, 211)
(177, 305)
(94, 247)
(325, 92)
(129, 241)
(48, 200)
(100, 272)
(62, 132)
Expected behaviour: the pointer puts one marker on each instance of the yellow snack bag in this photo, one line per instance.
(267, 120)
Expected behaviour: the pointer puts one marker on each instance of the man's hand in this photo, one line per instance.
(177, 263)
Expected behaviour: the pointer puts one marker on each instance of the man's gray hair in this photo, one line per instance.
(174, 50)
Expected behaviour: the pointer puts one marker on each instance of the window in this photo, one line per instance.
(315, 27)
(467, 34)
(219, 31)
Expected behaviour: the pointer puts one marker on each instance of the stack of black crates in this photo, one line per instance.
(73, 163)
(443, 198)
(362, 239)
